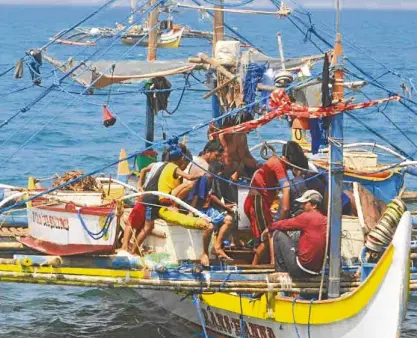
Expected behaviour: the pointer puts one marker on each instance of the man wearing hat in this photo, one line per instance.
(306, 258)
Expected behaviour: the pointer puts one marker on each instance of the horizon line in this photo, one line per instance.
(385, 7)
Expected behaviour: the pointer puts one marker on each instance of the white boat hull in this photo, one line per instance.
(348, 316)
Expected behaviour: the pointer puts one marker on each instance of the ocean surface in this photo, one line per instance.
(65, 131)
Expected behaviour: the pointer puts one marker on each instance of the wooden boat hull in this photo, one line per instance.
(362, 313)
(65, 230)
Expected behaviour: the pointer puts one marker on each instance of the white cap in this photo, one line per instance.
(310, 196)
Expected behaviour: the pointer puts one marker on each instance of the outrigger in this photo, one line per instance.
(363, 286)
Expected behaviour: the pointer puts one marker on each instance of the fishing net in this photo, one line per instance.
(85, 184)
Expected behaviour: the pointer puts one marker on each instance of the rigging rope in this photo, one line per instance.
(71, 71)
(58, 36)
(230, 5)
(196, 301)
(402, 152)
(7, 71)
(17, 90)
(240, 36)
(186, 84)
(86, 89)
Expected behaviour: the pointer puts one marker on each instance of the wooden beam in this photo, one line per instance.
(153, 35)
(215, 64)
(218, 26)
(215, 90)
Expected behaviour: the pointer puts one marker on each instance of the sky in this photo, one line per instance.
(362, 4)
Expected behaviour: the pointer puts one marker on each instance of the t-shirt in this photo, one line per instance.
(297, 189)
(167, 182)
(272, 174)
(312, 243)
(193, 169)
(152, 172)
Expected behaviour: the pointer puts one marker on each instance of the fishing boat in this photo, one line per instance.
(169, 39)
(364, 283)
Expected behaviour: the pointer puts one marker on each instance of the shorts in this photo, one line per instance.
(259, 214)
(217, 218)
(137, 216)
(152, 209)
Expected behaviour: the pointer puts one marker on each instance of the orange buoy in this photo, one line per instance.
(108, 118)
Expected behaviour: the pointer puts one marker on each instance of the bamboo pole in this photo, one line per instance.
(11, 245)
(215, 64)
(124, 283)
(215, 90)
(218, 26)
(153, 35)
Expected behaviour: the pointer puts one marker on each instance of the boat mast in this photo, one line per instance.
(218, 26)
(132, 11)
(336, 167)
(152, 45)
(218, 35)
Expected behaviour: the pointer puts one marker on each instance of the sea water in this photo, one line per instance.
(54, 137)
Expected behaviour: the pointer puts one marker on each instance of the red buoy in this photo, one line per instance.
(108, 118)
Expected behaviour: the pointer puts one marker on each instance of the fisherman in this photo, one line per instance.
(237, 157)
(272, 174)
(169, 179)
(203, 199)
(212, 152)
(304, 258)
(136, 219)
(146, 209)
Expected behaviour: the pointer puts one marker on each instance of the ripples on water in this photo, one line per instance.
(55, 311)
(78, 140)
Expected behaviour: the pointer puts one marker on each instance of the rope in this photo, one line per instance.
(58, 36)
(402, 152)
(98, 235)
(242, 322)
(309, 316)
(248, 186)
(17, 90)
(86, 89)
(186, 84)
(66, 75)
(6, 71)
(254, 75)
(240, 36)
(196, 301)
(230, 5)
(293, 316)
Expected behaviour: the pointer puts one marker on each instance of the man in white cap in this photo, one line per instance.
(306, 258)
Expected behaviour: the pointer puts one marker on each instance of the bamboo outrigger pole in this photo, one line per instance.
(152, 47)
(336, 167)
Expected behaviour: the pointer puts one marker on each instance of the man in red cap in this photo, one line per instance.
(306, 258)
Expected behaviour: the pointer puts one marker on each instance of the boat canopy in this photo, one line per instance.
(99, 74)
(254, 56)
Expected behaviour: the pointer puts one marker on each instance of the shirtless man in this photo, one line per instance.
(237, 158)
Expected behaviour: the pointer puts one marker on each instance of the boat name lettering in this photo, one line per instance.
(219, 322)
(53, 222)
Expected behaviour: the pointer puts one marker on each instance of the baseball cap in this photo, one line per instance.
(310, 196)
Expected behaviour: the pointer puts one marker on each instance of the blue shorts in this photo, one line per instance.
(217, 218)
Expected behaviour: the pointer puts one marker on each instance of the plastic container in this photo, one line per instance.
(227, 52)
